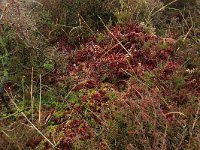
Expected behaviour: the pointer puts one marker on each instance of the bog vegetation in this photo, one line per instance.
(100, 74)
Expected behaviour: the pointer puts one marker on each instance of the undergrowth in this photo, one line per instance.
(100, 75)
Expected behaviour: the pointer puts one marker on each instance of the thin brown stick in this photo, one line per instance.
(40, 102)
(162, 8)
(196, 116)
(24, 115)
(165, 135)
(31, 93)
(115, 37)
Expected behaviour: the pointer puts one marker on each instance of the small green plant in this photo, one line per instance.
(148, 78)
(59, 114)
(48, 65)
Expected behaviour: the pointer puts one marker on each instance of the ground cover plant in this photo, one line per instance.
(100, 75)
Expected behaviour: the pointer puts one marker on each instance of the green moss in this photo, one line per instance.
(58, 114)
